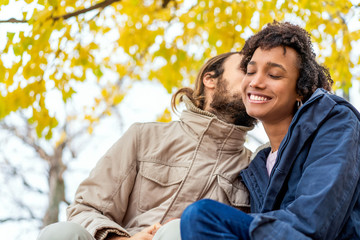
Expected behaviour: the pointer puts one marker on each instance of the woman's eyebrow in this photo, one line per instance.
(272, 64)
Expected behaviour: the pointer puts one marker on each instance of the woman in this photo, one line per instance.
(306, 184)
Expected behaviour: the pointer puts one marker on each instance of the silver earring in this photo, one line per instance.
(299, 104)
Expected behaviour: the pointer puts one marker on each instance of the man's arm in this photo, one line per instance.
(102, 199)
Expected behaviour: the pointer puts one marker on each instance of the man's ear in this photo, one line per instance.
(209, 81)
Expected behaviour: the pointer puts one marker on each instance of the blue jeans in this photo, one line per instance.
(208, 219)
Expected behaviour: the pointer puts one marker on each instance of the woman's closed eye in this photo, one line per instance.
(275, 76)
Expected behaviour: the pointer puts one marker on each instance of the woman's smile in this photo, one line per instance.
(258, 98)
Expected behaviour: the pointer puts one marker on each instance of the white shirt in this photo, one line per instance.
(270, 161)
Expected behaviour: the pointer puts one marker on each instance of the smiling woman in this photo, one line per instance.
(308, 187)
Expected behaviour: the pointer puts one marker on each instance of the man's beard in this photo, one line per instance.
(229, 107)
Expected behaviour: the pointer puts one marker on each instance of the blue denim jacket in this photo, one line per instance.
(314, 188)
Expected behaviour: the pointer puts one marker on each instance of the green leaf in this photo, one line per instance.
(97, 72)
(10, 35)
(17, 50)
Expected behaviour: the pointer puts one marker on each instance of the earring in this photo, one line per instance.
(299, 104)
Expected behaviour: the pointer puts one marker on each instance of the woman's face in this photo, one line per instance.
(269, 86)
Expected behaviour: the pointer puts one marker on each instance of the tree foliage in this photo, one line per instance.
(73, 41)
(111, 44)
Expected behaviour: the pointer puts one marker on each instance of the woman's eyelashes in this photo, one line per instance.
(273, 76)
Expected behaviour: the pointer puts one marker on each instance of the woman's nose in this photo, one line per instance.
(257, 81)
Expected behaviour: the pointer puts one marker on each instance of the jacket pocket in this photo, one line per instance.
(159, 182)
(235, 191)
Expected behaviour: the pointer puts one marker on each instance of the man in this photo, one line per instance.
(155, 170)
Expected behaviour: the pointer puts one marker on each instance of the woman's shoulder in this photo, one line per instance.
(324, 104)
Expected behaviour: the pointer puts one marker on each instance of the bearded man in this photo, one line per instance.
(155, 170)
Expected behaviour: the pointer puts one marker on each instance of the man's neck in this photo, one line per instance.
(220, 115)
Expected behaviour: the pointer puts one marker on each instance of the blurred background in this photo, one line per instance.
(75, 74)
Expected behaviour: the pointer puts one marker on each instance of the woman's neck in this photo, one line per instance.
(276, 132)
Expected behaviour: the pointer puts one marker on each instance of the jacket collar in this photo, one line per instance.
(200, 122)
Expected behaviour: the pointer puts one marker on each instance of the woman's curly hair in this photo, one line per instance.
(311, 74)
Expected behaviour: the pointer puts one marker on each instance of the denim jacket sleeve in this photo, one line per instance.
(327, 189)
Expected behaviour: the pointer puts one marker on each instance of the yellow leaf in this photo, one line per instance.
(105, 93)
(165, 117)
(118, 98)
(90, 129)
(53, 3)
(4, 2)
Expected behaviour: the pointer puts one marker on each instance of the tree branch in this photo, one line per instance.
(15, 172)
(81, 11)
(68, 15)
(27, 140)
(10, 219)
(13, 20)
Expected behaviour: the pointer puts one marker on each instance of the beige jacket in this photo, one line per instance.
(155, 170)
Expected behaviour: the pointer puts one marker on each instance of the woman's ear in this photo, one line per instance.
(299, 98)
(209, 81)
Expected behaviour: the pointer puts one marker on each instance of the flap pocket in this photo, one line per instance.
(164, 175)
(236, 192)
(158, 183)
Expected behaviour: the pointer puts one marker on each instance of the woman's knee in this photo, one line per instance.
(199, 209)
(64, 231)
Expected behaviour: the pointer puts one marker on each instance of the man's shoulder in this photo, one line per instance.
(262, 148)
(153, 127)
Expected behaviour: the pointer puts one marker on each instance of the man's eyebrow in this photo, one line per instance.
(272, 64)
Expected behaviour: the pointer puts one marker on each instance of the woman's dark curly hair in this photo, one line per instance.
(311, 74)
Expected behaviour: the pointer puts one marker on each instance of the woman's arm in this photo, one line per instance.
(328, 187)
